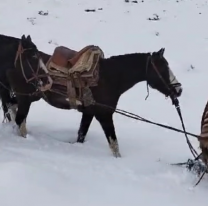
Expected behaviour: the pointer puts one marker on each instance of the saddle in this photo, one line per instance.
(74, 70)
(66, 57)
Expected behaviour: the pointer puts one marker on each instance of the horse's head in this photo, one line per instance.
(31, 64)
(160, 76)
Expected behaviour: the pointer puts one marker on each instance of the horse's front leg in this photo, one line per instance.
(106, 121)
(22, 112)
(84, 126)
(12, 112)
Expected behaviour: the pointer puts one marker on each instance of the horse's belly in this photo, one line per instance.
(58, 101)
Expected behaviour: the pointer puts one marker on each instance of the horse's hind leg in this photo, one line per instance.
(9, 105)
(12, 108)
(84, 126)
(106, 121)
(7, 116)
(23, 110)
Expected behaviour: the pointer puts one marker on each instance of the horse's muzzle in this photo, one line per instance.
(178, 91)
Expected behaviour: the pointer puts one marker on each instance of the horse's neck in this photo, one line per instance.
(45, 57)
(127, 70)
(9, 49)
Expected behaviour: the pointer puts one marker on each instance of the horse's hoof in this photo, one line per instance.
(81, 139)
(7, 118)
(117, 154)
(22, 133)
(19, 132)
(23, 129)
(114, 148)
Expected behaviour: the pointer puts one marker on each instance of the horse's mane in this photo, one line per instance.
(128, 56)
(4, 38)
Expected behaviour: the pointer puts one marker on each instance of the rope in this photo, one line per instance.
(176, 103)
(137, 117)
(193, 151)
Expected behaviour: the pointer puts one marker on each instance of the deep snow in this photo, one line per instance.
(45, 170)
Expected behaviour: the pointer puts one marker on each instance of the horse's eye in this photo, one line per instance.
(34, 56)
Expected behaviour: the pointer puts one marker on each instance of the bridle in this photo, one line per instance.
(170, 87)
(35, 75)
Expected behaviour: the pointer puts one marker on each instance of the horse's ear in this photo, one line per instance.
(23, 37)
(29, 38)
(161, 52)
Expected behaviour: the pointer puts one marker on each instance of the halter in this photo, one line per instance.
(168, 87)
(35, 75)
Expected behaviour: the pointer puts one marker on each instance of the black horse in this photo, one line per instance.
(117, 74)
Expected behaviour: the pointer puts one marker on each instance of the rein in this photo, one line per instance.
(35, 75)
(19, 53)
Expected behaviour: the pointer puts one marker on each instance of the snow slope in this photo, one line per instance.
(45, 170)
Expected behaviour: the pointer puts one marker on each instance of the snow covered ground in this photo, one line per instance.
(44, 170)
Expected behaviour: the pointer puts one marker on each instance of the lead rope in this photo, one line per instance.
(176, 104)
(193, 151)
